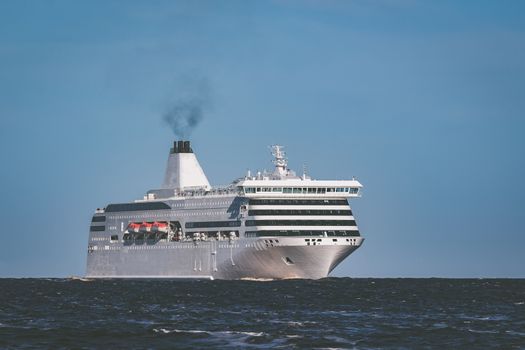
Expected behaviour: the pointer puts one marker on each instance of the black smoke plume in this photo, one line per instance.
(188, 110)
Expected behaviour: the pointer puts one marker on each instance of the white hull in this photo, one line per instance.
(241, 259)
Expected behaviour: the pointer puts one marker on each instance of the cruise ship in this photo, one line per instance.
(267, 225)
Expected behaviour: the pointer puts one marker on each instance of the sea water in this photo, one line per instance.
(324, 314)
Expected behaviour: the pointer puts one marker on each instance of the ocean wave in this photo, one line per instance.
(487, 318)
(440, 325)
(293, 323)
(522, 334)
(257, 279)
(167, 331)
(479, 331)
(197, 331)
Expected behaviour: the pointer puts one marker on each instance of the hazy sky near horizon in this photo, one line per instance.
(423, 101)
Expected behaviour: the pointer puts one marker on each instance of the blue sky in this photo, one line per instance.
(423, 101)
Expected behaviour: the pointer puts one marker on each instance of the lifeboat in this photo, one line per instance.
(159, 227)
(145, 227)
(133, 228)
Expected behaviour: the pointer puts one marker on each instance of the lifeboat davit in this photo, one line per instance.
(145, 227)
(133, 228)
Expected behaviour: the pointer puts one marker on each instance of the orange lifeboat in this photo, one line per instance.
(145, 227)
(133, 228)
(160, 227)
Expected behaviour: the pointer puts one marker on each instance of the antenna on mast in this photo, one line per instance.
(280, 160)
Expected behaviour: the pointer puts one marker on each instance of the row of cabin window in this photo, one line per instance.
(305, 190)
(136, 206)
(298, 202)
(300, 223)
(292, 233)
(298, 212)
(213, 224)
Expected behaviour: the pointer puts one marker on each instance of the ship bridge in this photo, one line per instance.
(301, 188)
(284, 181)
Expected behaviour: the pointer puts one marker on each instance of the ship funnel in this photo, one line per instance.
(183, 170)
(181, 147)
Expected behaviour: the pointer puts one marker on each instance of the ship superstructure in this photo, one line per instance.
(266, 226)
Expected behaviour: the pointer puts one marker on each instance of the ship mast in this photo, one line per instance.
(280, 160)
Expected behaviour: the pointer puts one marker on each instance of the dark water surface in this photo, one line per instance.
(329, 313)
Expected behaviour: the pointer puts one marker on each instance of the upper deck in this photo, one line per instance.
(300, 188)
(281, 183)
